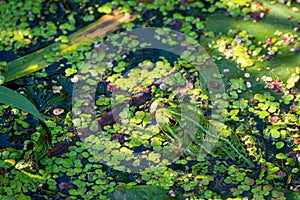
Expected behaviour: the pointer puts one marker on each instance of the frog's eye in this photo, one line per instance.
(172, 121)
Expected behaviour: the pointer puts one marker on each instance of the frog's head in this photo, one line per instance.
(167, 120)
(164, 117)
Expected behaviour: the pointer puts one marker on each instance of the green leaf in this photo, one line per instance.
(10, 97)
(199, 25)
(275, 133)
(281, 156)
(263, 114)
(279, 145)
(106, 8)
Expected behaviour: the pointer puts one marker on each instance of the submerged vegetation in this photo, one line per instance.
(162, 127)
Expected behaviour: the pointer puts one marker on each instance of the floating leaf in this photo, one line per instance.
(281, 156)
(279, 145)
(238, 84)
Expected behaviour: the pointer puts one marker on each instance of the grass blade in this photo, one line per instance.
(10, 97)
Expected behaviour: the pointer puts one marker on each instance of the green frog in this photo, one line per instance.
(180, 131)
(188, 129)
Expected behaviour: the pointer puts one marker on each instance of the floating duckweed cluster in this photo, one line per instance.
(36, 24)
(261, 113)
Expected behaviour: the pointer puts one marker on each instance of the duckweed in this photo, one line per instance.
(261, 121)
